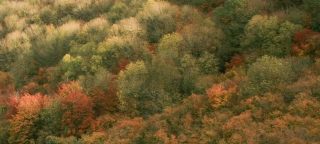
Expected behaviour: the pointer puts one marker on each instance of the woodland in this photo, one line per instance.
(159, 71)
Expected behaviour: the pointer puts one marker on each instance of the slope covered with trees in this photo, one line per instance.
(159, 71)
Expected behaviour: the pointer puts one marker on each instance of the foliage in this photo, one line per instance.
(195, 35)
(25, 123)
(158, 18)
(265, 33)
(313, 8)
(154, 71)
(125, 130)
(77, 117)
(4, 131)
(58, 140)
(51, 117)
(266, 74)
(235, 14)
(306, 43)
(105, 101)
(48, 16)
(131, 88)
(208, 64)
(96, 137)
(170, 47)
(189, 71)
(118, 11)
(220, 97)
(116, 48)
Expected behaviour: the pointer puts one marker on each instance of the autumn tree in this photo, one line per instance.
(48, 16)
(158, 19)
(124, 41)
(26, 122)
(6, 89)
(312, 7)
(202, 37)
(306, 43)
(266, 33)
(265, 74)
(51, 118)
(118, 11)
(77, 117)
(72, 67)
(104, 95)
(132, 88)
(12, 103)
(4, 131)
(56, 43)
(96, 28)
(208, 63)
(189, 73)
(236, 61)
(234, 15)
(221, 97)
(125, 130)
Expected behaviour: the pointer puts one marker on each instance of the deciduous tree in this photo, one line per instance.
(77, 110)
(25, 123)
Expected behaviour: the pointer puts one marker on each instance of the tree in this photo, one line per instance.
(158, 19)
(266, 33)
(12, 103)
(51, 118)
(116, 48)
(236, 61)
(219, 97)
(25, 123)
(208, 64)
(124, 131)
(6, 90)
(132, 88)
(72, 67)
(189, 74)
(265, 74)
(48, 16)
(306, 43)
(118, 11)
(4, 131)
(312, 7)
(15, 44)
(198, 2)
(105, 101)
(234, 15)
(203, 37)
(164, 80)
(77, 117)
(97, 28)
(14, 23)
(48, 51)
(170, 47)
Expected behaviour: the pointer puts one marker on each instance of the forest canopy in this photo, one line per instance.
(159, 71)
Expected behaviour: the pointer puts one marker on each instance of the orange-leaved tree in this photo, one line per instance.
(218, 96)
(11, 104)
(25, 123)
(77, 110)
(306, 43)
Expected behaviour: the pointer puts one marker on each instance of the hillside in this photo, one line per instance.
(159, 71)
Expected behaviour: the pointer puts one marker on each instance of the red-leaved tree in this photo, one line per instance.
(77, 110)
(12, 103)
(25, 123)
(306, 43)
